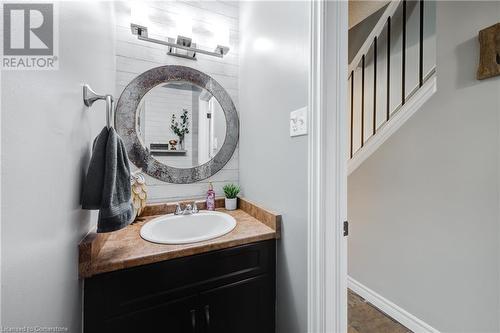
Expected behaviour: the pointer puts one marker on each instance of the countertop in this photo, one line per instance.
(101, 253)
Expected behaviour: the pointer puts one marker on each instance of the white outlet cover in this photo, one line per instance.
(298, 122)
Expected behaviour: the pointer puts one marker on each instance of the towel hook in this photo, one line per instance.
(90, 96)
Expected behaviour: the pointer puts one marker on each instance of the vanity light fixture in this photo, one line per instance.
(181, 47)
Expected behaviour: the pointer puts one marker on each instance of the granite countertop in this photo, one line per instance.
(100, 253)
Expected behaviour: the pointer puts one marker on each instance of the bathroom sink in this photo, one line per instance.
(183, 229)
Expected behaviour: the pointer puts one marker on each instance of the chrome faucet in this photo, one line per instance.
(178, 209)
(190, 209)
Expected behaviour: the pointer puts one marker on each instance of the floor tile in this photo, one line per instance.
(365, 318)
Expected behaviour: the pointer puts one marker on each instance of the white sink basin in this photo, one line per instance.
(183, 229)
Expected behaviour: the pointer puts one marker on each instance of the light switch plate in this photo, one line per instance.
(298, 122)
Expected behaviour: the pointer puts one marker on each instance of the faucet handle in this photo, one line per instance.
(195, 207)
(178, 209)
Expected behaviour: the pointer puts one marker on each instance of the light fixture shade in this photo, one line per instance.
(220, 33)
(139, 13)
(184, 25)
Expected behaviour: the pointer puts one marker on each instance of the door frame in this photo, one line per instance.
(327, 168)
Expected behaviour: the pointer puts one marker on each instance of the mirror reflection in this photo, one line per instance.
(181, 124)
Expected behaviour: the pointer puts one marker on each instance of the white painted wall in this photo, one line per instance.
(274, 62)
(213, 22)
(46, 141)
(423, 209)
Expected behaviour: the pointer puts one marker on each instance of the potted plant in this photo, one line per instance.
(231, 191)
(182, 128)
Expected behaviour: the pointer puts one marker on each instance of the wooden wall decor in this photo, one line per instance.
(489, 57)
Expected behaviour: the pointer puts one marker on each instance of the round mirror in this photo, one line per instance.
(179, 125)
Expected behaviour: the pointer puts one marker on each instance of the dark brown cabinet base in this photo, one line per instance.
(224, 291)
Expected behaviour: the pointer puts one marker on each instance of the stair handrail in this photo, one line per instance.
(376, 31)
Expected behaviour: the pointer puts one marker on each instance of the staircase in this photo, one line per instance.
(391, 76)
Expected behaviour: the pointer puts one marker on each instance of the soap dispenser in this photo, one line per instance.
(210, 197)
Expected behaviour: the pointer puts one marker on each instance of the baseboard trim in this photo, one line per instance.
(400, 116)
(404, 317)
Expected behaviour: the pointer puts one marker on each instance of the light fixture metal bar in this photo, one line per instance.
(175, 45)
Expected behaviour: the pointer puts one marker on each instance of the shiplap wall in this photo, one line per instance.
(160, 104)
(134, 57)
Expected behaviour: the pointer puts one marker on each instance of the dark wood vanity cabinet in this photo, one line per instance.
(224, 291)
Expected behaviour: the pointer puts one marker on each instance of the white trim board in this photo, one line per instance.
(397, 313)
(327, 169)
(395, 122)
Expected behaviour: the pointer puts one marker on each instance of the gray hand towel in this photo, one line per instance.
(94, 183)
(107, 186)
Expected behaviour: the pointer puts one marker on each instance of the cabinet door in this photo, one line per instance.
(243, 307)
(176, 316)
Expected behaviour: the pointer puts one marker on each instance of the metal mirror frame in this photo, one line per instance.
(126, 118)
